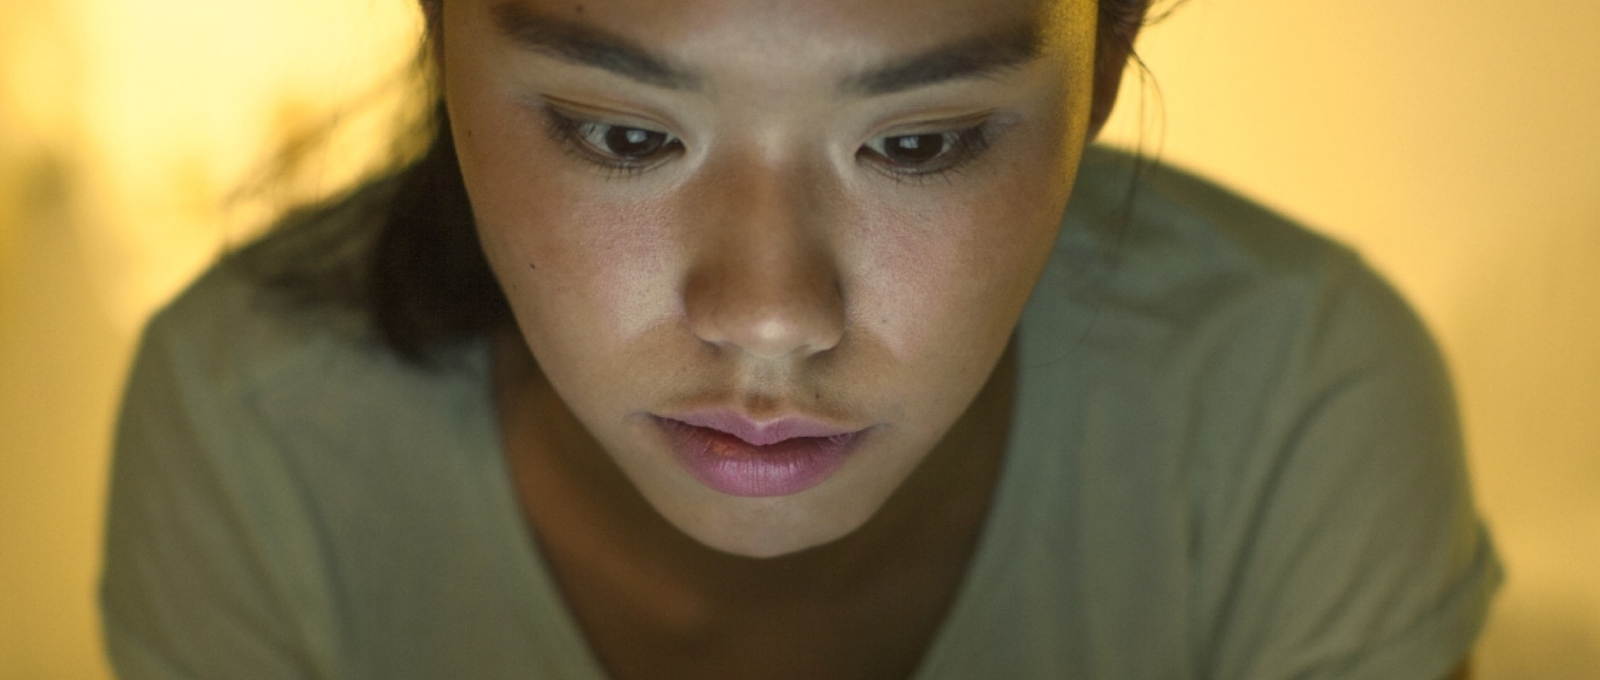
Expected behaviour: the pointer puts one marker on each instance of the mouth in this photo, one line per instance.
(760, 434)
(733, 455)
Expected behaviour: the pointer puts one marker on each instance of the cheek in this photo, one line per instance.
(955, 271)
(572, 259)
(559, 244)
(931, 295)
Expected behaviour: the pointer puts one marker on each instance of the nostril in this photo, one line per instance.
(764, 312)
(764, 274)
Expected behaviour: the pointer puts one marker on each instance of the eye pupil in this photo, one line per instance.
(634, 142)
(914, 148)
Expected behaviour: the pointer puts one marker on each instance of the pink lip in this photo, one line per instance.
(735, 456)
(760, 434)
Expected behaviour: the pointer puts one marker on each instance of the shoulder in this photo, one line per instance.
(1153, 235)
(284, 301)
(231, 334)
(1173, 275)
(1254, 374)
(245, 395)
(1285, 412)
(1209, 314)
(276, 332)
(267, 452)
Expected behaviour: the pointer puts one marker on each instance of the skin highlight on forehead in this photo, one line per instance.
(986, 54)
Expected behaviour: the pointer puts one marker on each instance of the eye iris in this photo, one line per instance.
(634, 142)
(914, 148)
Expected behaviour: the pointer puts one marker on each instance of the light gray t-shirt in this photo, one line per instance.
(1234, 455)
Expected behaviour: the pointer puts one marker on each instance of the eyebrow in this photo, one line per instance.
(980, 57)
(984, 56)
(586, 45)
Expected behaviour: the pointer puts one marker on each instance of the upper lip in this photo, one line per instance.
(760, 434)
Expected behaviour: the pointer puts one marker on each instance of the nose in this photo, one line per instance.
(764, 281)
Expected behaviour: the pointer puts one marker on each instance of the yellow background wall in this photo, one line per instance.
(1456, 144)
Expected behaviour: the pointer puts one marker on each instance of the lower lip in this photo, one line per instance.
(738, 468)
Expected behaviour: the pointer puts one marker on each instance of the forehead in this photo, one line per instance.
(720, 33)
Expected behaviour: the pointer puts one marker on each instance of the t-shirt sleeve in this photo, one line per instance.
(209, 566)
(1356, 551)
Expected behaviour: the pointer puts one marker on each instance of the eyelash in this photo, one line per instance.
(960, 148)
(569, 133)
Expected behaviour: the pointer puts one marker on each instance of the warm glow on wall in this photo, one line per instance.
(182, 102)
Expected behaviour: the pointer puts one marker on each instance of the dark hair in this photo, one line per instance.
(425, 282)
(430, 284)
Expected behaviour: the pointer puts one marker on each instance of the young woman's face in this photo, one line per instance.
(826, 209)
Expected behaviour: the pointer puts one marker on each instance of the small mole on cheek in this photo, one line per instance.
(577, 9)
(533, 266)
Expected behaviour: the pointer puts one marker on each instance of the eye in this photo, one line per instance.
(913, 149)
(623, 148)
(621, 142)
(925, 153)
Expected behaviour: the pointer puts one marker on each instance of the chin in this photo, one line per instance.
(766, 532)
(768, 546)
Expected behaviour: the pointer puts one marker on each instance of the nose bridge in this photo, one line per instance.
(775, 204)
(765, 280)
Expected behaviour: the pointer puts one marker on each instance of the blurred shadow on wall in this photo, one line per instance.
(1546, 639)
(61, 360)
(1528, 344)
